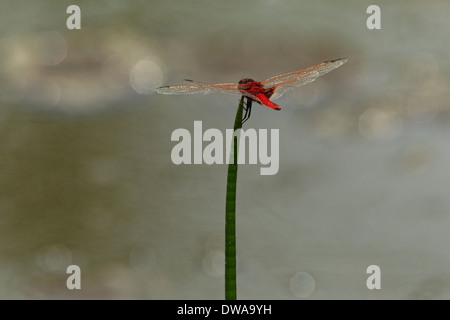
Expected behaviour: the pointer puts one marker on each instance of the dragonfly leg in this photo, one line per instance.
(248, 110)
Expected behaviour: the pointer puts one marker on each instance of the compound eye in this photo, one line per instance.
(246, 84)
(244, 81)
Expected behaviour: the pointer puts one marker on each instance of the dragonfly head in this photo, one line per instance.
(247, 84)
(246, 80)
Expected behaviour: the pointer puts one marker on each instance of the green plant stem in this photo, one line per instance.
(230, 214)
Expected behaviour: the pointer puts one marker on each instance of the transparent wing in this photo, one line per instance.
(201, 87)
(288, 81)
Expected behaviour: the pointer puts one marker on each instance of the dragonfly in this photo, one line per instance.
(261, 92)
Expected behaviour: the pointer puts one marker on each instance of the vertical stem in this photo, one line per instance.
(230, 214)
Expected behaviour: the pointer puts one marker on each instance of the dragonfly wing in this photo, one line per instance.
(201, 87)
(295, 79)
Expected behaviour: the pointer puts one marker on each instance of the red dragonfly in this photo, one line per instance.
(260, 92)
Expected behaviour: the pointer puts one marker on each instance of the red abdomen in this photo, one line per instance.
(267, 102)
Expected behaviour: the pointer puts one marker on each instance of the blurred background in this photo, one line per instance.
(86, 176)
